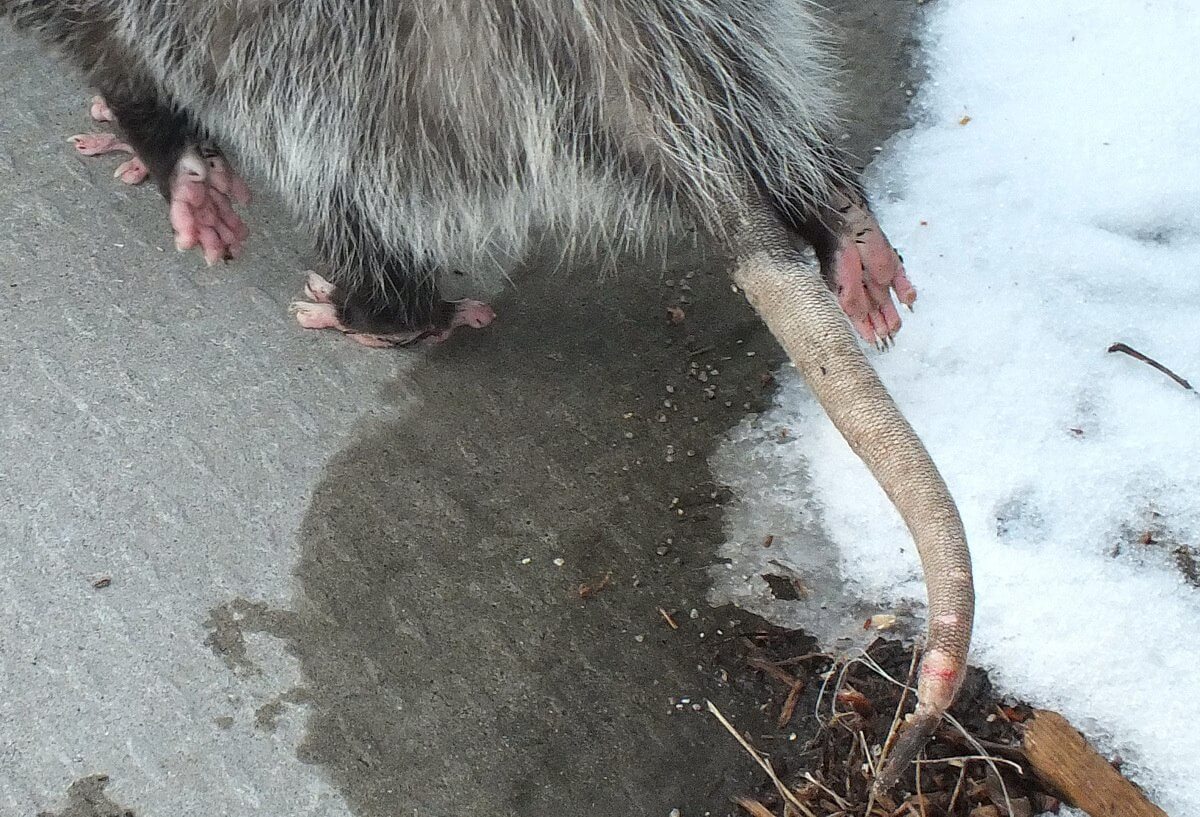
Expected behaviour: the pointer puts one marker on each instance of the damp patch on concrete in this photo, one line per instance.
(229, 623)
(266, 717)
(86, 798)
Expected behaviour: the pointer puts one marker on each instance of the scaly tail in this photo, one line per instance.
(803, 315)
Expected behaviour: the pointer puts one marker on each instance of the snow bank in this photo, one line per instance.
(1047, 205)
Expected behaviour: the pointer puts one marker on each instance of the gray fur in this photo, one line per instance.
(458, 128)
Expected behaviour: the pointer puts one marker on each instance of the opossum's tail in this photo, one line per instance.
(743, 115)
(794, 301)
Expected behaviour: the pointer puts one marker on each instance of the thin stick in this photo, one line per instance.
(962, 775)
(929, 761)
(761, 761)
(867, 754)
(921, 794)
(789, 705)
(1136, 355)
(991, 761)
(836, 798)
(906, 687)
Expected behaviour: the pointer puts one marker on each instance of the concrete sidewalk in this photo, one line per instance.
(251, 570)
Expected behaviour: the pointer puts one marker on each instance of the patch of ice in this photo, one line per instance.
(1062, 217)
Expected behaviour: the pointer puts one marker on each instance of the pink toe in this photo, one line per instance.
(318, 290)
(226, 235)
(863, 327)
(230, 218)
(474, 314)
(904, 289)
(131, 172)
(889, 317)
(317, 316)
(184, 224)
(227, 182)
(214, 249)
(100, 111)
(97, 144)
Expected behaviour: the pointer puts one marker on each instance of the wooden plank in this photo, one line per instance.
(1062, 757)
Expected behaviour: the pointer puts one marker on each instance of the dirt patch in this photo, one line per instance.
(832, 717)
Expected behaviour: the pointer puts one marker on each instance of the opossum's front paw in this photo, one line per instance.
(867, 271)
(322, 310)
(203, 188)
(131, 171)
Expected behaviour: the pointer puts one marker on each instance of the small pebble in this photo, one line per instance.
(559, 562)
(639, 638)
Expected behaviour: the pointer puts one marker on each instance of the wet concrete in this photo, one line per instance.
(453, 666)
(86, 798)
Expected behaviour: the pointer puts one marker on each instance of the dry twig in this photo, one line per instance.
(1149, 361)
(765, 764)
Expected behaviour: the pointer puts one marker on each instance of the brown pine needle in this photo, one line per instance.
(789, 704)
(753, 807)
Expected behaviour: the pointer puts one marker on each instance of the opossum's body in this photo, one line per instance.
(413, 136)
(425, 135)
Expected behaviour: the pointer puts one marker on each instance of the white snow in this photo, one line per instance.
(1062, 217)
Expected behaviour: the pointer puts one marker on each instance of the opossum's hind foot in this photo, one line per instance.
(867, 271)
(200, 184)
(323, 310)
(203, 188)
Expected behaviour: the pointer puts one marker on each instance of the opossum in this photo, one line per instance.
(412, 137)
